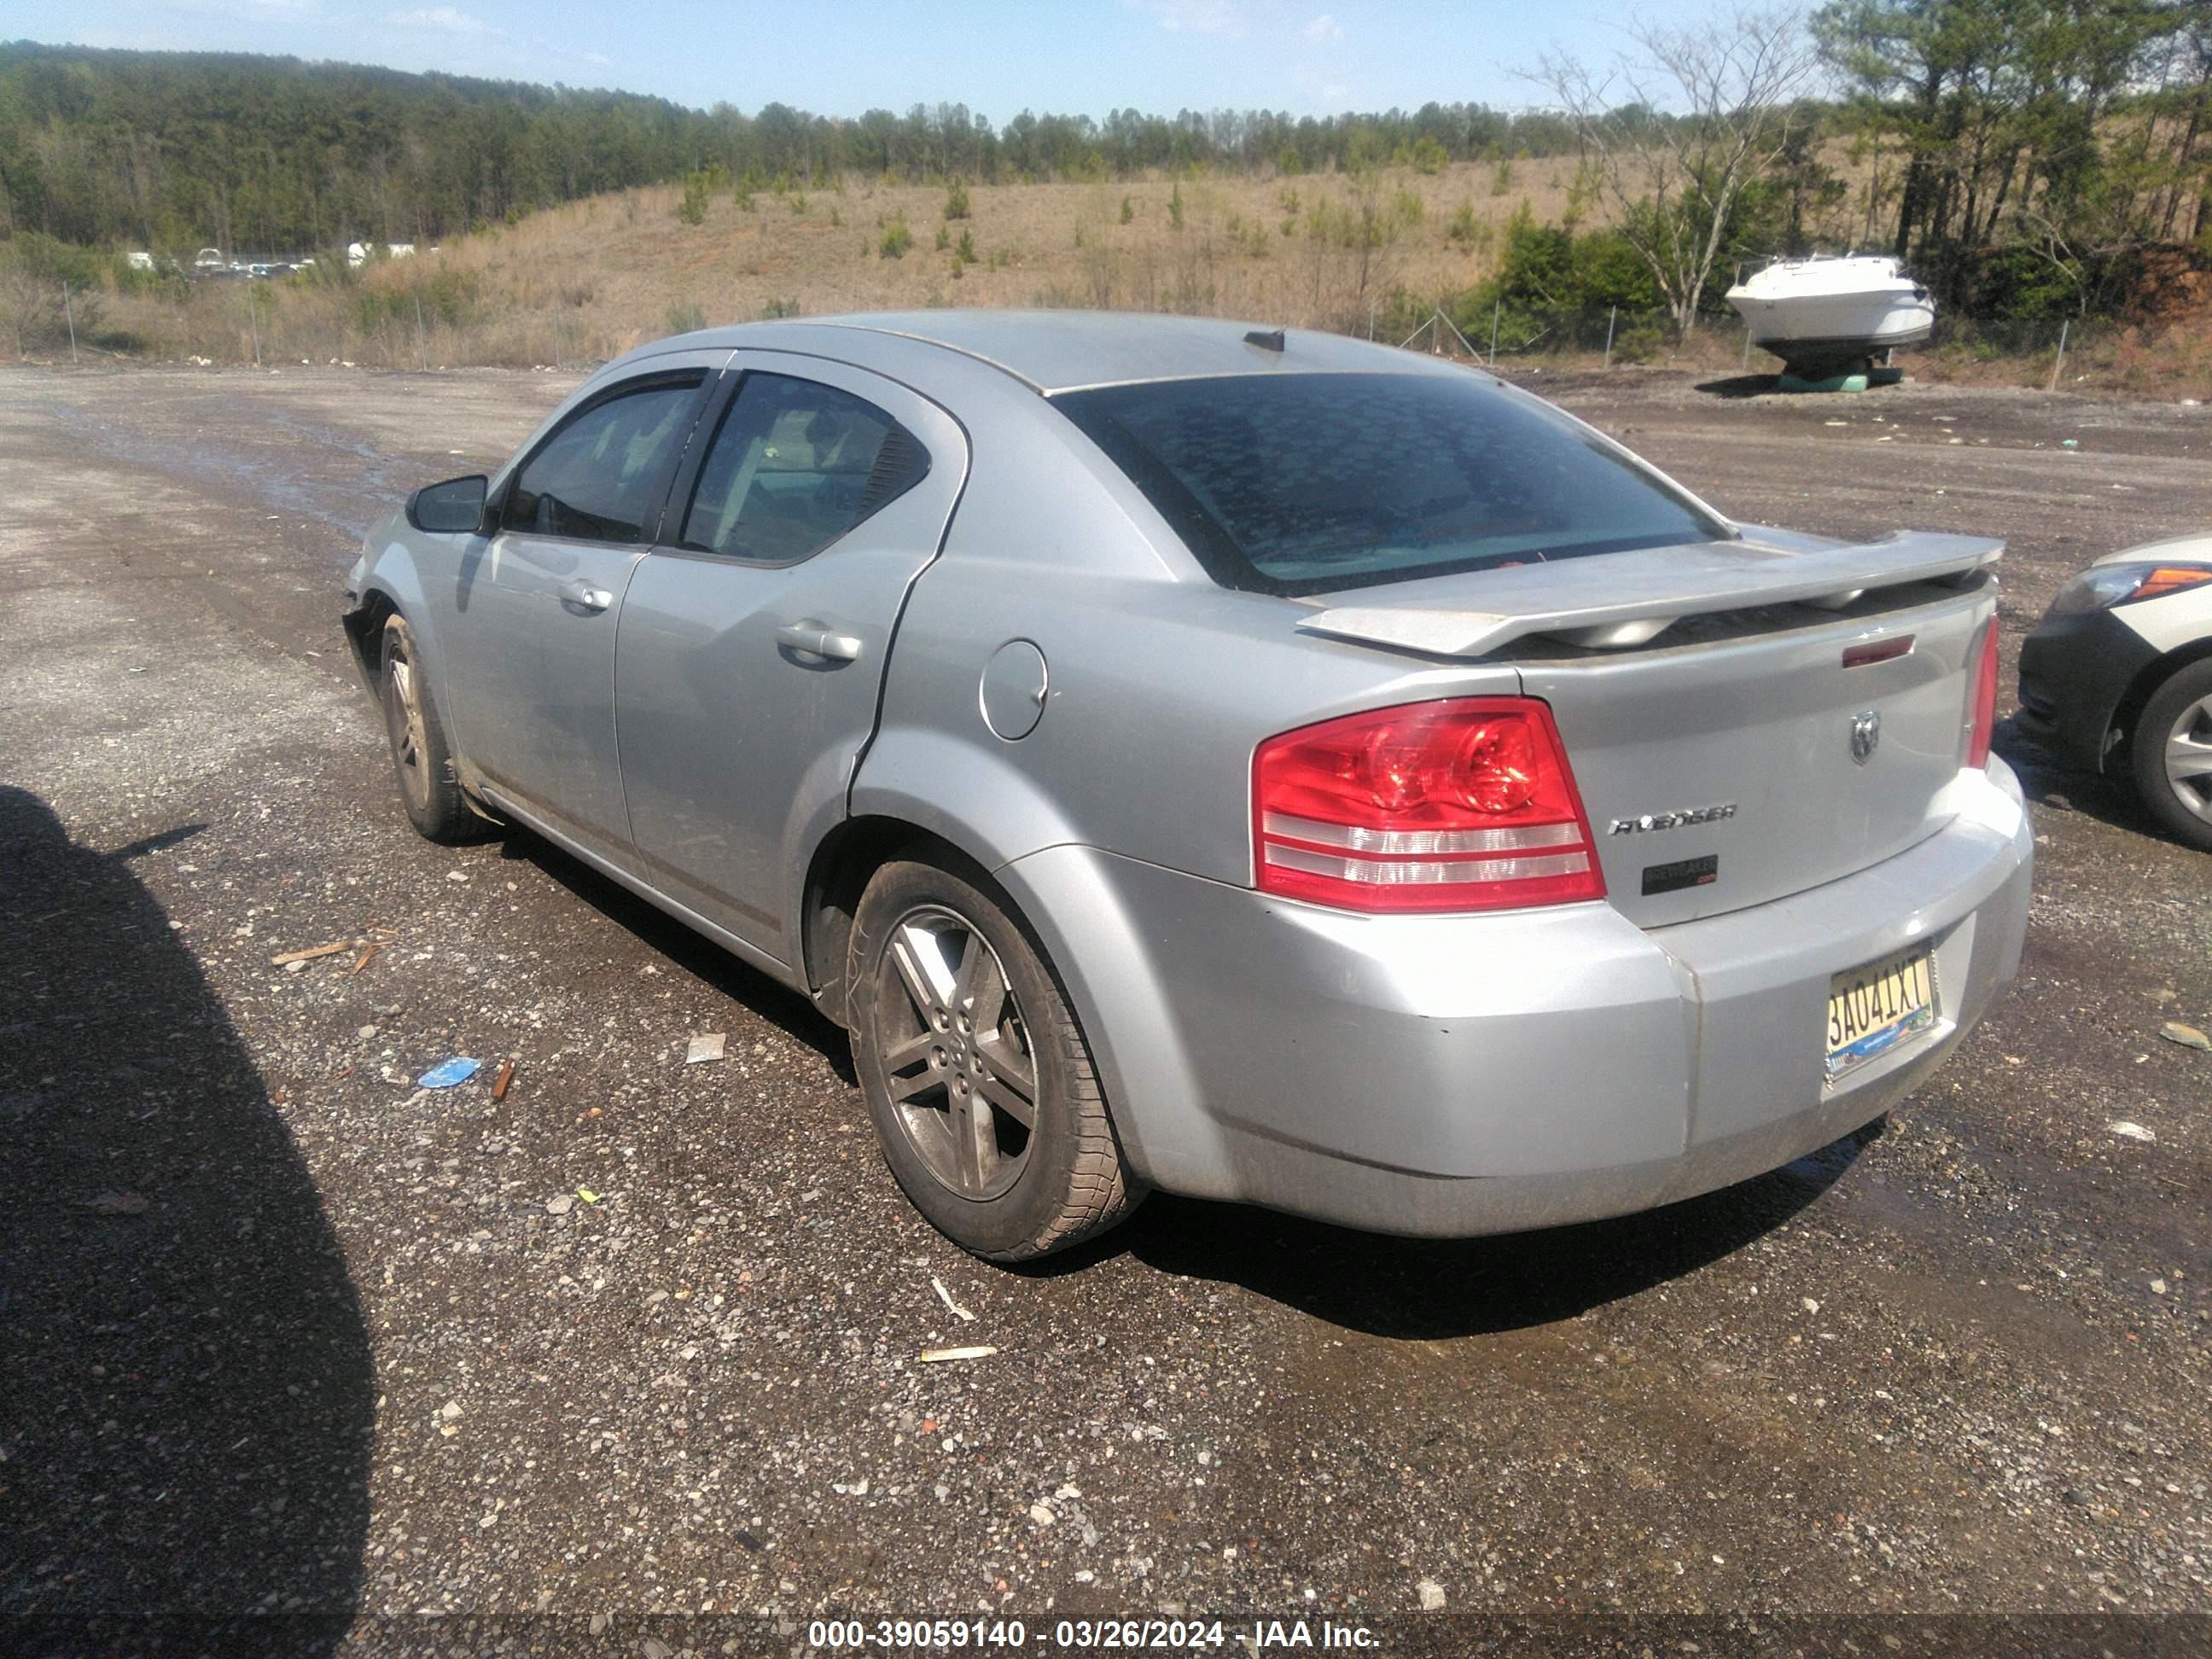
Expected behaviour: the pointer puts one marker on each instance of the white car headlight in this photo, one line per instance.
(2104, 586)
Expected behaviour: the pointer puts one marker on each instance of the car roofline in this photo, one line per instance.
(904, 326)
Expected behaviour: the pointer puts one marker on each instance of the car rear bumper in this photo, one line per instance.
(1472, 1074)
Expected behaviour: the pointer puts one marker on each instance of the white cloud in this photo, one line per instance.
(441, 17)
(1323, 29)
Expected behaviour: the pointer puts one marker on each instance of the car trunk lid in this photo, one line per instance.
(1770, 720)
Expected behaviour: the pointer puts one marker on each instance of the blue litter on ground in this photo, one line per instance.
(446, 1073)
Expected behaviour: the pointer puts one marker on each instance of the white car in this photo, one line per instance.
(2116, 678)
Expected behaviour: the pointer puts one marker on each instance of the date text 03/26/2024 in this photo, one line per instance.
(1086, 1635)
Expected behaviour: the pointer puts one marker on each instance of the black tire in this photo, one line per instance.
(2178, 712)
(422, 761)
(945, 1079)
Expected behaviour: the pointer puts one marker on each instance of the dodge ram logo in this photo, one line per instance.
(1866, 735)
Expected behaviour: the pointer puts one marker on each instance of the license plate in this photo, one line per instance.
(1873, 1008)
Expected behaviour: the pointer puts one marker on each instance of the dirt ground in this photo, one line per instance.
(283, 1334)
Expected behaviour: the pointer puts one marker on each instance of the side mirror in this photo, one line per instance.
(455, 506)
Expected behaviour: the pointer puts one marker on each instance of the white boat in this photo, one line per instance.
(1820, 312)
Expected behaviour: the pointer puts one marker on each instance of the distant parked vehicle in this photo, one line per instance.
(139, 259)
(2116, 678)
(360, 253)
(209, 258)
(1256, 764)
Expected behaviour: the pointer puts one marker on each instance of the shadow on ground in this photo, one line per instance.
(2110, 800)
(779, 1004)
(188, 1383)
(1430, 1289)
(1741, 386)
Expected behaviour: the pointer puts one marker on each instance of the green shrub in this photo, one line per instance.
(955, 200)
(1174, 208)
(1128, 211)
(775, 308)
(685, 318)
(964, 252)
(896, 239)
(699, 189)
(450, 297)
(944, 237)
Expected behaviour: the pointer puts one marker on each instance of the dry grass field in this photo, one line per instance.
(593, 278)
(585, 282)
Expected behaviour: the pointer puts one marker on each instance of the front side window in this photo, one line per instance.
(1306, 483)
(794, 466)
(599, 478)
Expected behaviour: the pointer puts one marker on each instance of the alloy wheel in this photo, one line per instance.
(2189, 758)
(956, 1059)
(403, 710)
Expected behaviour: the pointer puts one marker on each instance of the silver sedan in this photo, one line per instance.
(1255, 763)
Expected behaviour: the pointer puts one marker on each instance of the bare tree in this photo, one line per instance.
(1674, 128)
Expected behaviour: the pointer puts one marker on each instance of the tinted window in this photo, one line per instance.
(1298, 483)
(794, 466)
(599, 478)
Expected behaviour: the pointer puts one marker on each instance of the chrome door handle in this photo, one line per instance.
(813, 638)
(583, 596)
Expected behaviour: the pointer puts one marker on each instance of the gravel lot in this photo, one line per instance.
(281, 1332)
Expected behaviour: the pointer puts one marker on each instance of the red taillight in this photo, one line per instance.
(1466, 804)
(1982, 712)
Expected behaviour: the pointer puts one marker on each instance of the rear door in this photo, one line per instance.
(754, 636)
(536, 602)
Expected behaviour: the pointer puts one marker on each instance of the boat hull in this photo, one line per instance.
(1841, 326)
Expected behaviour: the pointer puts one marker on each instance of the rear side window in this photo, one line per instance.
(1304, 484)
(794, 466)
(600, 478)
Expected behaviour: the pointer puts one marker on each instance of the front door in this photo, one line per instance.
(754, 636)
(536, 604)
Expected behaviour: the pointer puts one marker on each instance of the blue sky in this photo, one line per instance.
(842, 57)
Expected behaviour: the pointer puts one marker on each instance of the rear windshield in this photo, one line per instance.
(1304, 483)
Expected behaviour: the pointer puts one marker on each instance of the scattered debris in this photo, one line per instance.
(457, 875)
(1041, 1514)
(449, 1074)
(2187, 1036)
(1809, 1304)
(561, 1205)
(588, 1195)
(312, 952)
(2131, 1131)
(945, 1297)
(1431, 1594)
(506, 1077)
(707, 1046)
(932, 1356)
(116, 1204)
(362, 961)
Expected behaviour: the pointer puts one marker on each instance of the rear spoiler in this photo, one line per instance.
(1622, 599)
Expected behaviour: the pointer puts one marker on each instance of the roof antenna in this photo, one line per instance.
(1266, 339)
